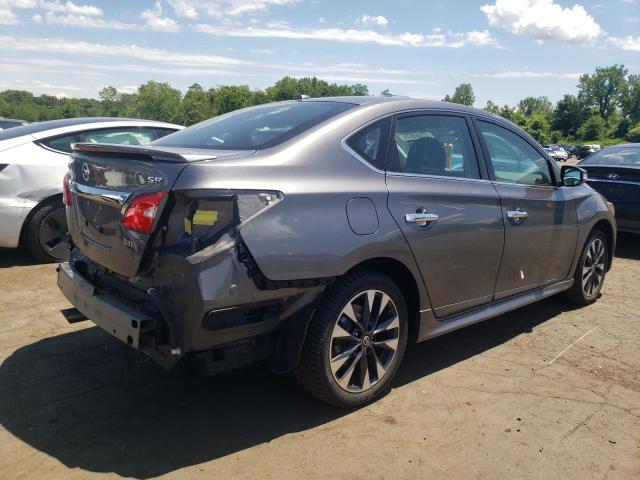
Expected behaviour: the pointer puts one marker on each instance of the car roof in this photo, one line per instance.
(625, 145)
(39, 129)
(407, 103)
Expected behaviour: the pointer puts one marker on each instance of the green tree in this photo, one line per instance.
(157, 101)
(592, 129)
(532, 105)
(111, 100)
(603, 89)
(194, 106)
(386, 93)
(633, 135)
(492, 108)
(569, 114)
(463, 95)
(631, 99)
(228, 98)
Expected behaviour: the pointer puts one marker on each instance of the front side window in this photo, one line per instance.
(512, 158)
(371, 142)
(119, 135)
(433, 145)
(257, 127)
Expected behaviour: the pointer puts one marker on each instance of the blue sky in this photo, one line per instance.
(506, 49)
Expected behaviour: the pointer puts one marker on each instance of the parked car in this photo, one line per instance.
(585, 150)
(615, 172)
(324, 234)
(557, 152)
(33, 161)
(570, 149)
(6, 123)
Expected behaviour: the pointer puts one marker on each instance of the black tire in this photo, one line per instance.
(580, 293)
(44, 234)
(313, 371)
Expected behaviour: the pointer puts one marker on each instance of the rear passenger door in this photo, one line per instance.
(541, 228)
(448, 210)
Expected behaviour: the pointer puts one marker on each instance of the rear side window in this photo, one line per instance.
(255, 128)
(120, 136)
(512, 158)
(371, 143)
(433, 145)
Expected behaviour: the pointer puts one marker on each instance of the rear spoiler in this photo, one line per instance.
(155, 153)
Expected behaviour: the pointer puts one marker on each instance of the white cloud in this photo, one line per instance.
(7, 17)
(435, 39)
(156, 21)
(510, 74)
(378, 20)
(543, 20)
(625, 43)
(70, 7)
(197, 63)
(54, 6)
(222, 8)
(85, 21)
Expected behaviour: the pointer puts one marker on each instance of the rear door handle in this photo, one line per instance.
(421, 218)
(517, 214)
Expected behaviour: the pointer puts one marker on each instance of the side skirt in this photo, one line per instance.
(431, 327)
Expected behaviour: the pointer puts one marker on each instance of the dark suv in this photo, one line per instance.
(323, 234)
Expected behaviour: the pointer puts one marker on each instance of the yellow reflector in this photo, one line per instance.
(205, 217)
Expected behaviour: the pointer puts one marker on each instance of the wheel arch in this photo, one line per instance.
(610, 234)
(406, 281)
(45, 201)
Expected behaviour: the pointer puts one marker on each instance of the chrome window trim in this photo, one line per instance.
(437, 177)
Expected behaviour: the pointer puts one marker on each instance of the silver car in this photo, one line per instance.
(325, 234)
(33, 161)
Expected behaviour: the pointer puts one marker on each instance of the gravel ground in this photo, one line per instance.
(547, 391)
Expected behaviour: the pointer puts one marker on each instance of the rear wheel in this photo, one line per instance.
(45, 232)
(355, 341)
(591, 269)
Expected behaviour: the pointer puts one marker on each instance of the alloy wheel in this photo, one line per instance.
(52, 233)
(594, 267)
(364, 341)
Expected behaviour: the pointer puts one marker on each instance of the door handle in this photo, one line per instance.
(421, 219)
(517, 214)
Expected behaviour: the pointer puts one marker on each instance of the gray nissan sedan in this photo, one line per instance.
(325, 234)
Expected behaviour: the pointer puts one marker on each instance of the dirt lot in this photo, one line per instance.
(495, 400)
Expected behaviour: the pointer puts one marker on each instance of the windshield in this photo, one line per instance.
(255, 128)
(615, 156)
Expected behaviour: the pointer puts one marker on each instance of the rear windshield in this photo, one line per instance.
(615, 156)
(255, 128)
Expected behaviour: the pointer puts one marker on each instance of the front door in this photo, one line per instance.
(450, 216)
(541, 227)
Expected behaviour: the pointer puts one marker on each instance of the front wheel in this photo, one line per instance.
(356, 340)
(591, 269)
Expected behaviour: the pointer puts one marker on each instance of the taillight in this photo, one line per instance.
(66, 190)
(142, 212)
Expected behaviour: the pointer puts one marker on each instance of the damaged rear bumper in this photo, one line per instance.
(126, 324)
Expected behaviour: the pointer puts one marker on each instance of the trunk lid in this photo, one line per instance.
(105, 179)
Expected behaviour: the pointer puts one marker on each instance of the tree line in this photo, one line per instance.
(160, 101)
(605, 110)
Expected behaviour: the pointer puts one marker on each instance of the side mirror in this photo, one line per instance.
(572, 176)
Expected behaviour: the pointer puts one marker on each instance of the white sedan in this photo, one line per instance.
(33, 161)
